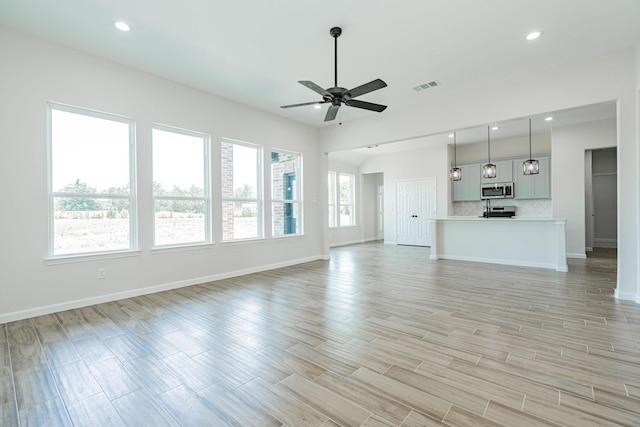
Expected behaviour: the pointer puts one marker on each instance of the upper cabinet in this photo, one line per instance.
(533, 186)
(467, 189)
(504, 172)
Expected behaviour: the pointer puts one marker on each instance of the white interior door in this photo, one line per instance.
(404, 213)
(415, 205)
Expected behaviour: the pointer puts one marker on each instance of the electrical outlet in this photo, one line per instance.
(102, 273)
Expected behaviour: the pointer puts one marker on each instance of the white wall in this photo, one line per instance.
(407, 165)
(568, 183)
(565, 86)
(34, 72)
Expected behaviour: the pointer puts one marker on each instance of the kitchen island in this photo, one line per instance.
(529, 242)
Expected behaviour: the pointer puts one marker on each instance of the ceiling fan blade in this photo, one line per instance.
(331, 113)
(366, 105)
(314, 87)
(303, 104)
(366, 88)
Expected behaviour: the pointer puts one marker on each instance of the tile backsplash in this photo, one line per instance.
(527, 208)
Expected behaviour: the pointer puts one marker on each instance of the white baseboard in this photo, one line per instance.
(372, 239)
(599, 242)
(576, 256)
(628, 296)
(353, 242)
(69, 305)
(561, 268)
(349, 242)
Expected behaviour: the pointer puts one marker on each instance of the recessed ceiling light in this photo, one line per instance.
(317, 106)
(533, 35)
(451, 135)
(495, 128)
(122, 26)
(548, 119)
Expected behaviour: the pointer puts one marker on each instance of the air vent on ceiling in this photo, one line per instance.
(428, 85)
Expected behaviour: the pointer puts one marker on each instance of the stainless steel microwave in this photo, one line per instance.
(497, 190)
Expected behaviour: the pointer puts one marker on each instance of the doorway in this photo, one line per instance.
(372, 206)
(601, 198)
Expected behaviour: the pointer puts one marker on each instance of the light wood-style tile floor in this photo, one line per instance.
(378, 336)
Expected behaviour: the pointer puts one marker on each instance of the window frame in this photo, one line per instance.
(131, 198)
(352, 188)
(332, 197)
(206, 187)
(296, 202)
(259, 199)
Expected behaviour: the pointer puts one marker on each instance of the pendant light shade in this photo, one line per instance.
(489, 170)
(530, 167)
(455, 173)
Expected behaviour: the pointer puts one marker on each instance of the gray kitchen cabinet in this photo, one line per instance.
(504, 172)
(468, 189)
(533, 186)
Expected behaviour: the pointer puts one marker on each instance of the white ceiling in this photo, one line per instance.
(255, 51)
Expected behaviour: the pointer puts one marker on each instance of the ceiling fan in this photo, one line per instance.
(338, 95)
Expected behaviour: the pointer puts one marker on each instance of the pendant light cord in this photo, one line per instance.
(489, 143)
(529, 138)
(455, 156)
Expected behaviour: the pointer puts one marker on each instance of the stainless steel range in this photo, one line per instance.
(499, 211)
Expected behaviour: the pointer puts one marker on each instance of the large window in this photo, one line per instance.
(332, 198)
(286, 196)
(242, 206)
(347, 214)
(341, 197)
(181, 193)
(91, 182)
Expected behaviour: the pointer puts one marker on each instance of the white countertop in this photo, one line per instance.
(515, 218)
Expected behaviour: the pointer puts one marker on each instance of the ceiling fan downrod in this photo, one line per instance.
(335, 33)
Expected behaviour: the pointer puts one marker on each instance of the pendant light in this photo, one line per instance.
(489, 170)
(530, 167)
(455, 173)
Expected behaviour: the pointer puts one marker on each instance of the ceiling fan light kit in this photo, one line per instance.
(336, 95)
